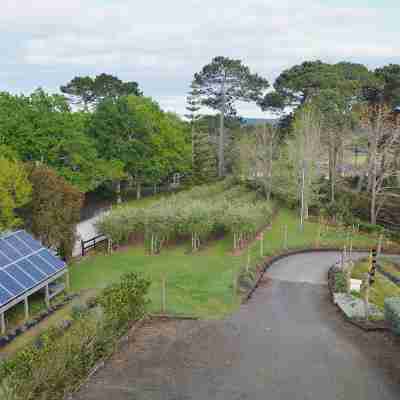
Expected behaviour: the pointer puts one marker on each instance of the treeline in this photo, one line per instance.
(100, 132)
(333, 109)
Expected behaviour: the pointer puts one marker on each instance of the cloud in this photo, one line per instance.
(161, 44)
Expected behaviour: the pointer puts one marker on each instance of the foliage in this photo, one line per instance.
(59, 358)
(15, 191)
(340, 282)
(222, 83)
(392, 313)
(88, 91)
(151, 144)
(41, 127)
(202, 212)
(55, 209)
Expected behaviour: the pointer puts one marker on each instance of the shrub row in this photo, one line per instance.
(392, 313)
(56, 362)
(198, 213)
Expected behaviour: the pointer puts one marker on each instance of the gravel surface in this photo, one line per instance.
(289, 342)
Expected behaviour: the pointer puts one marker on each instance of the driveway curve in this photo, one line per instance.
(287, 342)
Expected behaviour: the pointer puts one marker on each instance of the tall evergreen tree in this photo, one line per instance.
(222, 83)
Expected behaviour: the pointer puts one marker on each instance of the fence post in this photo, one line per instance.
(163, 294)
(83, 248)
(380, 242)
(285, 239)
(262, 245)
(248, 259)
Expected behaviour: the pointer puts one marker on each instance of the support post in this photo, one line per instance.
(163, 294)
(285, 239)
(67, 281)
(83, 248)
(248, 259)
(47, 296)
(26, 302)
(262, 245)
(3, 324)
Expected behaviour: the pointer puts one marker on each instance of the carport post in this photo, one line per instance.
(26, 308)
(3, 324)
(47, 297)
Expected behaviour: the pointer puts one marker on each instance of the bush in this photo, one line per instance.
(199, 213)
(392, 313)
(340, 282)
(58, 360)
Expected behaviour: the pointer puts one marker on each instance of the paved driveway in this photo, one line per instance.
(289, 342)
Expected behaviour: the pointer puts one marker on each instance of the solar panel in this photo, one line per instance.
(24, 264)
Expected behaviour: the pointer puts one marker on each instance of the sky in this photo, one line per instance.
(161, 44)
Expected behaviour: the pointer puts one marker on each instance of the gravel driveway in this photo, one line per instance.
(288, 342)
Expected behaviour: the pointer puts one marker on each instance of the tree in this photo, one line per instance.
(41, 127)
(382, 126)
(55, 209)
(256, 154)
(150, 144)
(304, 152)
(390, 89)
(87, 91)
(15, 192)
(193, 107)
(223, 82)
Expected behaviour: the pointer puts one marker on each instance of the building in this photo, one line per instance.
(27, 267)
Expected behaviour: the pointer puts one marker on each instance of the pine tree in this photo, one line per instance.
(204, 164)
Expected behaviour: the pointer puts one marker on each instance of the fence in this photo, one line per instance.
(92, 243)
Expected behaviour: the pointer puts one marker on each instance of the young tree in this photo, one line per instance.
(193, 107)
(223, 82)
(304, 152)
(15, 192)
(383, 129)
(55, 209)
(256, 153)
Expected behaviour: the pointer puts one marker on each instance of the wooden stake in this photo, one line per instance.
(262, 245)
(164, 294)
(285, 243)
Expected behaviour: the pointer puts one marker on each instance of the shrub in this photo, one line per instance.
(392, 313)
(59, 359)
(340, 282)
(124, 301)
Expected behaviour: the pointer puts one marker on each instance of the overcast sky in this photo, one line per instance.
(162, 43)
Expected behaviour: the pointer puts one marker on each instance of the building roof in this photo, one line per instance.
(24, 265)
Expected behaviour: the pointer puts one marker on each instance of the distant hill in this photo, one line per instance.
(259, 121)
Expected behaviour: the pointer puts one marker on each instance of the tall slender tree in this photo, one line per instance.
(222, 83)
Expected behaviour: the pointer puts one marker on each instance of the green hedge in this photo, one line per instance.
(392, 313)
(60, 358)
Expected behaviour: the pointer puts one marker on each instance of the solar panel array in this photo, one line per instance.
(24, 264)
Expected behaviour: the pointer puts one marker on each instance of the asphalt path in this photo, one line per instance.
(288, 342)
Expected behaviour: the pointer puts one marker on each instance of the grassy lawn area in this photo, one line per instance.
(201, 284)
(391, 267)
(382, 287)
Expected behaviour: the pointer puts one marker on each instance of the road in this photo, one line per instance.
(288, 342)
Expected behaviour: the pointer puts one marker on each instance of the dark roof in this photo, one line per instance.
(24, 264)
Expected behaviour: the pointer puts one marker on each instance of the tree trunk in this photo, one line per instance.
(221, 161)
(138, 190)
(118, 191)
(221, 143)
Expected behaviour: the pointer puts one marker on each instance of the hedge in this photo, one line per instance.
(392, 313)
(60, 358)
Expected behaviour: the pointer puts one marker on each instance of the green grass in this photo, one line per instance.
(201, 284)
(198, 284)
(382, 287)
(391, 268)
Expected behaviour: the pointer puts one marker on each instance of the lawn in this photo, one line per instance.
(382, 287)
(391, 268)
(201, 284)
